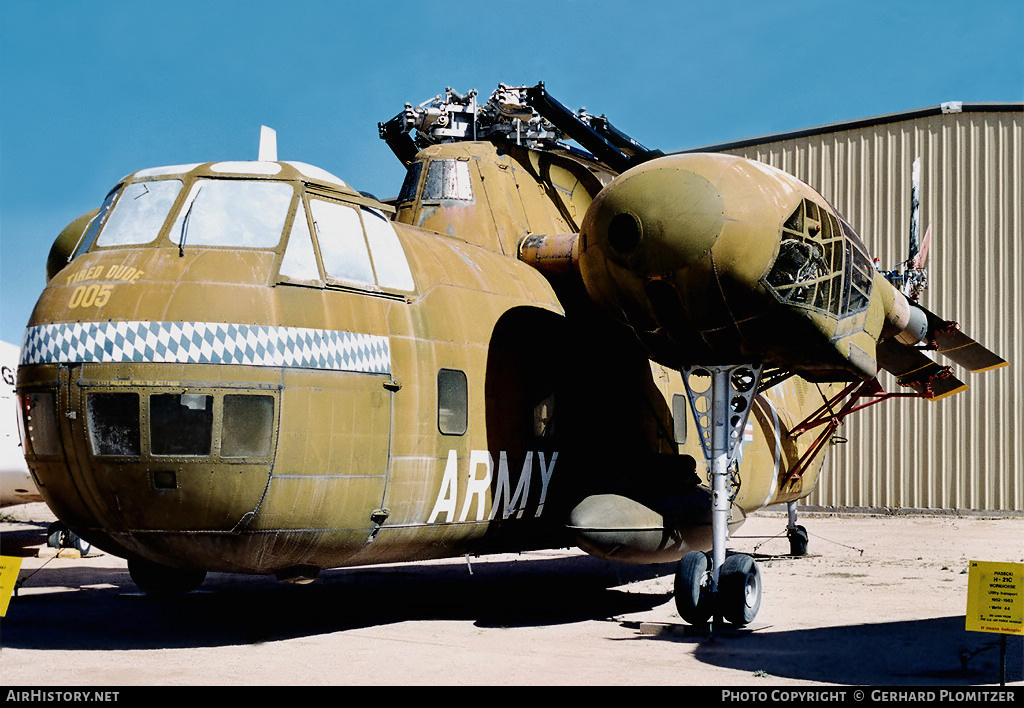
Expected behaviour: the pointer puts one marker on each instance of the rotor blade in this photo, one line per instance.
(915, 210)
(957, 346)
(913, 368)
(921, 259)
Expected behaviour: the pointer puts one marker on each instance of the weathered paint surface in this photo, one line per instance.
(366, 459)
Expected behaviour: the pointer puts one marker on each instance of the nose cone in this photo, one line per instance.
(655, 219)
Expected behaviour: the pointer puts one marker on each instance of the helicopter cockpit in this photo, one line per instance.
(335, 236)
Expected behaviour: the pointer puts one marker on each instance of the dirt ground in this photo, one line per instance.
(878, 600)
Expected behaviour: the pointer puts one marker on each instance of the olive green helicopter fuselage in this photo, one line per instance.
(251, 367)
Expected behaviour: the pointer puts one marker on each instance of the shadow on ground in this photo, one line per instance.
(937, 651)
(105, 611)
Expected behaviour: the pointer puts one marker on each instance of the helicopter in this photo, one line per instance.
(552, 337)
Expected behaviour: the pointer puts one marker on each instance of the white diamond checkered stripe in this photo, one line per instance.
(207, 343)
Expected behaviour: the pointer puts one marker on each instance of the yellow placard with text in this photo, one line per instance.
(995, 597)
(9, 567)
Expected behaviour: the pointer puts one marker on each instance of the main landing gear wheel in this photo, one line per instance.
(739, 589)
(692, 588)
(60, 536)
(156, 579)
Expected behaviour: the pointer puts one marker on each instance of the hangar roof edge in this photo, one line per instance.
(948, 107)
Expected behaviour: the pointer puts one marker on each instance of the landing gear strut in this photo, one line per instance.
(711, 585)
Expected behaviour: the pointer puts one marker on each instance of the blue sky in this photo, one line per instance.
(91, 91)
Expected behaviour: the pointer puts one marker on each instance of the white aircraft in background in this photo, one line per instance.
(16, 485)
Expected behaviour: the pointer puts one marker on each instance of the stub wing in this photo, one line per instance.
(913, 368)
(958, 347)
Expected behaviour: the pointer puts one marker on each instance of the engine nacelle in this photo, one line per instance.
(718, 259)
(64, 246)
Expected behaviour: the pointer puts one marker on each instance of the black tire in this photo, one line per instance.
(73, 540)
(54, 532)
(60, 536)
(692, 594)
(155, 579)
(739, 589)
(797, 541)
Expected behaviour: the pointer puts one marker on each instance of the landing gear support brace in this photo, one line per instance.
(721, 412)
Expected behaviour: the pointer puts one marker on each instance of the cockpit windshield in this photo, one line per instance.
(139, 213)
(217, 212)
(240, 213)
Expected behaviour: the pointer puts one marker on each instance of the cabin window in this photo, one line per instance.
(180, 424)
(140, 213)
(113, 423)
(388, 257)
(239, 213)
(299, 262)
(679, 402)
(447, 179)
(248, 426)
(41, 423)
(342, 244)
(452, 402)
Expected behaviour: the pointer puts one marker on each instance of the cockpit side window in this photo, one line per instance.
(139, 213)
(342, 244)
(239, 213)
(388, 257)
(299, 262)
(94, 226)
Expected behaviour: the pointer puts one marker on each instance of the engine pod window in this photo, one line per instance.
(180, 424)
(447, 179)
(412, 180)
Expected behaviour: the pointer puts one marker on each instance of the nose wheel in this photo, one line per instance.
(693, 588)
(739, 589)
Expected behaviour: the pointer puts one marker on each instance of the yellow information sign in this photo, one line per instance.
(995, 597)
(9, 567)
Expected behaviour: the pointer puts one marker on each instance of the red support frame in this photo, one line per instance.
(827, 416)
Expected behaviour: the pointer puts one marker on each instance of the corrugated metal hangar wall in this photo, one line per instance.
(963, 452)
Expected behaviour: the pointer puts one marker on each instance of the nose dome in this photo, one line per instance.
(656, 220)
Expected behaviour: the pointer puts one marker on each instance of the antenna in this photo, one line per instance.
(268, 144)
